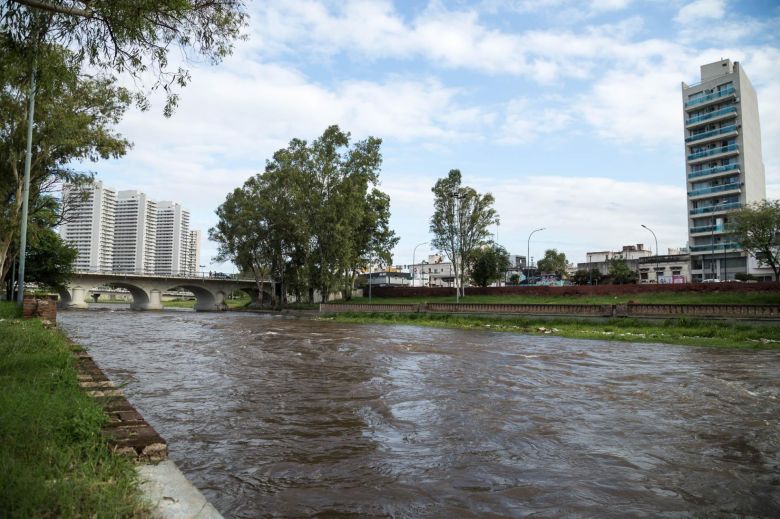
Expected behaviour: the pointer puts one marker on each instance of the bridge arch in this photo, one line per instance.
(142, 299)
(206, 300)
(257, 300)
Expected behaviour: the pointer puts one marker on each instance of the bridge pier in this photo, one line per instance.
(78, 296)
(153, 301)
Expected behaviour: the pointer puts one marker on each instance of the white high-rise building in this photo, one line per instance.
(173, 227)
(192, 257)
(136, 233)
(724, 167)
(89, 225)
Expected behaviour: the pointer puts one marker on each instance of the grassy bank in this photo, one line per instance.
(238, 302)
(673, 331)
(680, 298)
(54, 461)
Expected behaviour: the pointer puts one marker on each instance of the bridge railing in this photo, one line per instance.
(157, 274)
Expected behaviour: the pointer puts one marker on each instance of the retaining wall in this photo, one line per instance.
(663, 311)
(576, 290)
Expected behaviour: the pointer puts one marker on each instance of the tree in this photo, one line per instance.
(126, 36)
(581, 277)
(488, 263)
(756, 227)
(460, 221)
(554, 262)
(76, 117)
(620, 273)
(514, 279)
(313, 219)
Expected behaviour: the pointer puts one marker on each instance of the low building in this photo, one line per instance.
(667, 269)
(601, 260)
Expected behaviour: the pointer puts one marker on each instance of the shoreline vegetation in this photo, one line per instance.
(55, 461)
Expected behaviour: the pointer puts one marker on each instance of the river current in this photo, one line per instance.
(286, 417)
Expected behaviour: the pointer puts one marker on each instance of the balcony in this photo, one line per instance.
(716, 189)
(732, 128)
(726, 168)
(714, 247)
(714, 151)
(709, 97)
(706, 228)
(711, 115)
(716, 208)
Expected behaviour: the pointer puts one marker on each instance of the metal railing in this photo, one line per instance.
(709, 97)
(720, 131)
(716, 208)
(715, 247)
(715, 189)
(712, 171)
(717, 113)
(713, 151)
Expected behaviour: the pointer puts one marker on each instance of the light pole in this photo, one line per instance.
(414, 269)
(528, 251)
(656, 251)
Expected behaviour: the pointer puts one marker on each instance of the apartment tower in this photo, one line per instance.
(724, 167)
(173, 228)
(136, 233)
(89, 225)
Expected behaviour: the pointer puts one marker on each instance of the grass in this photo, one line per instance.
(673, 331)
(54, 461)
(240, 301)
(742, 298)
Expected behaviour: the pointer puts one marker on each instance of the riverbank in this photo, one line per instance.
(55, 461)
(689, 332)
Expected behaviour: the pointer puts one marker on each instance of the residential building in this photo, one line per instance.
(89, 224)
(192, 253)
(671, 268)
(724, 167)
(173, 227)
(601, 260)
(135, 233)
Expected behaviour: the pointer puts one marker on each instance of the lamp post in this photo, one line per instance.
(414, 269)
(656, 251)
(528, 251)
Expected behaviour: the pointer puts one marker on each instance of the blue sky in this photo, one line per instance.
(569, 112)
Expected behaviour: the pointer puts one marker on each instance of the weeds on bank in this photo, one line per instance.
(673, 331)
(54, 461)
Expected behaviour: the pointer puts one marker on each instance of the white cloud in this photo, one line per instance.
(524, 121)
(701, 10)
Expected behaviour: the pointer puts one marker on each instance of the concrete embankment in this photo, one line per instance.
(729, 312)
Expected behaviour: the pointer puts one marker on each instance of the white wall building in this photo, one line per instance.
(192, 252)
(724, 167)
(89, 225)
(173, 228)
(136, 233)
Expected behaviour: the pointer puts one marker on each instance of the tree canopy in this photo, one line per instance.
(488, 264)
(553, 262)
(620, 273)
(312, 219)
(76, 115)
(460, 221)
(757, 229)
(127, 36)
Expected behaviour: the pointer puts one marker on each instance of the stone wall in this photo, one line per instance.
(43, 307)
(576, 290)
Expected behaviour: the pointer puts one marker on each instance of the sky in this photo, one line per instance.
(568, 112)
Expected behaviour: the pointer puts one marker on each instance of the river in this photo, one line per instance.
(285, 417)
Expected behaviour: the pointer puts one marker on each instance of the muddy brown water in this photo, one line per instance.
(289, 417)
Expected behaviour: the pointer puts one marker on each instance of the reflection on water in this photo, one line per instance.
(283, 417)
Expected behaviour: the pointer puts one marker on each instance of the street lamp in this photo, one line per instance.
(656, 251)
(414, 252)
(528, 252)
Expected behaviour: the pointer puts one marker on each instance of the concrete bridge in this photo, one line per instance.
(147, 289)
